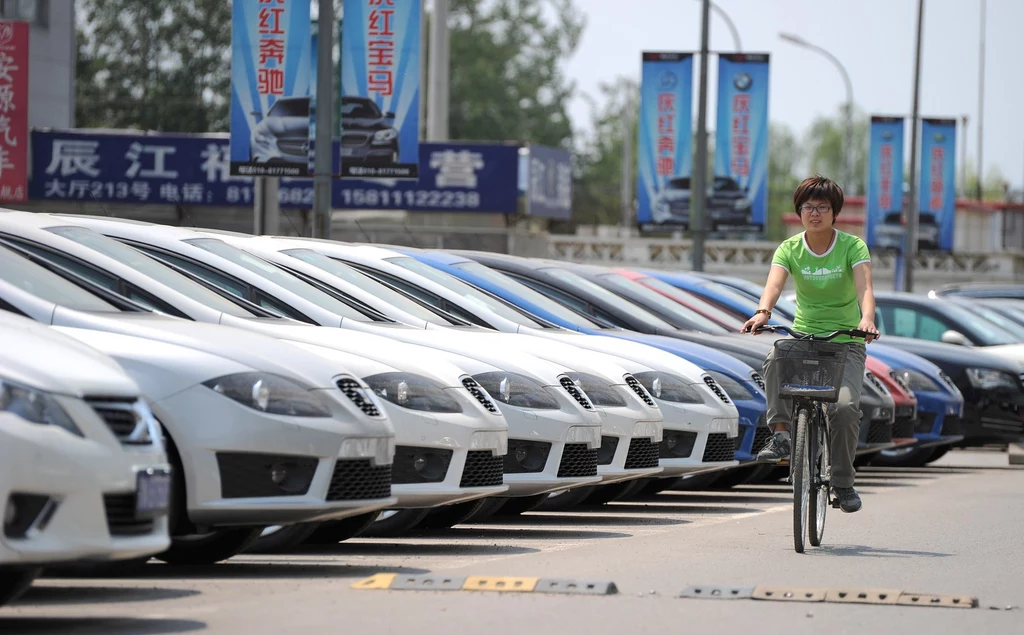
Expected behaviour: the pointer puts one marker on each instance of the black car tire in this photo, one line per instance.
(14, 582)
(334, 531)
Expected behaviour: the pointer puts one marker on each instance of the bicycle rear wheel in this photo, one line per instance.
(821, 464)
(800, 469)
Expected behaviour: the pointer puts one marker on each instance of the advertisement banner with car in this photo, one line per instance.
(270, 80)
(546, 174)
(883, 215)
(664, 146)
(14, 61)
(194, 170)
(937, 217)
(380, 89)
(738, 200)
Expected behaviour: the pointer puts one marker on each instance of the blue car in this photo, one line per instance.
(746, 389)
(720, 295)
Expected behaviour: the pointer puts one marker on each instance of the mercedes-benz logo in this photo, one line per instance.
(742, 81)
(667, 80)
(887, 134)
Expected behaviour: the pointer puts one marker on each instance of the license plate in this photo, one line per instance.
(153, 493)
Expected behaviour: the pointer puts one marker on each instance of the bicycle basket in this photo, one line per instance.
(810, 368)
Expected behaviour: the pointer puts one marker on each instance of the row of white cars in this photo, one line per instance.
(190, 394)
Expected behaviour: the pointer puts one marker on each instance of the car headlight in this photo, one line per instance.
(918, 381)
(598, 390)
(269, 393)
(669, 387)
(733, 388)
(516, 390)
(741, 203)
(35, 406)
(263, 138)
(991, 379)
(385, 136)
(414, 392)
(901, 381)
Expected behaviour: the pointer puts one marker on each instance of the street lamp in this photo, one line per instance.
(848, 151)
(728, 23)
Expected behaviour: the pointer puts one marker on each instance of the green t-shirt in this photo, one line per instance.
(826, 294)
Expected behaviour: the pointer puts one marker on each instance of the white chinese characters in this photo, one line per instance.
(456, 168)
(71, 157)
(136, 152)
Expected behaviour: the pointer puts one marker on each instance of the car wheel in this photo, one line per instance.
(14, 582)
(520, 505)
(395, 522)
(447, 516)
(905, 457)
(736, 476)
(334, 531)
(610, 493)
(282, 539)
(485, 511)
(658, 485)
(209, 548)
(697, 482)
(565, 500)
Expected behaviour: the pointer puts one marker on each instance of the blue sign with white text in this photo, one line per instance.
(937, 216)
(184, 170)
(380, 89)
(664, 148)
(270, 84)
(549, 183)
(883, 215)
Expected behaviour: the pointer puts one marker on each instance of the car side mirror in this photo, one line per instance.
(389, 115)
(956, 337)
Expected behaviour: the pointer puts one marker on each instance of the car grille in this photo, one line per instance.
(474, 389)
(354, 138)
(758, 379)
(293, 145)
(635, 386)
(577, 460)
(120, 417)
(925, 422)
(643, 453)
(903, 428)
(248, 475)
(121, 520)
(713, 385)
(574, 390)
(879, 432)
(355, 392)
(719, 448)
(357, 479)
(682, 447)
(952, 424)
(483, 469)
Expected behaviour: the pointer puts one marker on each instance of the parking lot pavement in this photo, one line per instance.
(953, 528)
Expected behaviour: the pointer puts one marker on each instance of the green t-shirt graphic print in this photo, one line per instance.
(826, 294)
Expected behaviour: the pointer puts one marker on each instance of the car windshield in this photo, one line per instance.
(726, 185)
(991, 334)
(46, 285)
(1007, 324)
(660, 304)
(576, 281)
(679, 184)
(279, 277)
(685, 297)
(150, 268)
(368, 284)
(527, 294)
(473, 296)
(359, 109)
(290, 108)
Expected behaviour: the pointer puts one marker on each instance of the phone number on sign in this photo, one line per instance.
(410, 198)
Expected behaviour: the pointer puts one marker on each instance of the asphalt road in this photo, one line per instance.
(952, 528)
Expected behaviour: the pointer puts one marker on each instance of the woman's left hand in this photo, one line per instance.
(868, 326)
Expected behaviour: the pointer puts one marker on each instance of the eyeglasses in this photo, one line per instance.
(821, 209)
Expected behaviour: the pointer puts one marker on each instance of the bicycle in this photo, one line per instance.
(811, 375)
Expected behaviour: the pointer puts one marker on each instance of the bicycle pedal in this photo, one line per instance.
(835, 503)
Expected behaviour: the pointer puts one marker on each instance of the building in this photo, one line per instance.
(52, 53)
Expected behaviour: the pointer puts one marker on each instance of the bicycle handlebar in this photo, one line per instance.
(774, 328)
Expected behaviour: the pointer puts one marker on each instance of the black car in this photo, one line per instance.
(920, 317)
(367, 136)
(728, 204)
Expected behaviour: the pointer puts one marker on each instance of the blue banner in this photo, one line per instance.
(665, 140)
(883, 214)
(270, 82)
(937, 217)
(194, 170)
(380, 89)
(738, 199)
(549, 183)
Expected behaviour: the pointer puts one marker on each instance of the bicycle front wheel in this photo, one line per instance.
(820, 474)
(800, 469)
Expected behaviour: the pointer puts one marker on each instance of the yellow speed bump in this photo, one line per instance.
(500, 583)
(378, 581)
(935, 599)
(786, 594)
(863, 596)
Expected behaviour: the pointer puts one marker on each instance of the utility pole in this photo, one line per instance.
(625, 187)
(325, 121)
(437, 109)
(963, 157)
(981, 104)
(698, 185)
(910, 244)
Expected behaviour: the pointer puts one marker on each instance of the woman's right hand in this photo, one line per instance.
(751, 325)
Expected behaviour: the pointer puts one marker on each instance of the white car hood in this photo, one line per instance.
(637, 353)
(41, 357)
(1012, 352)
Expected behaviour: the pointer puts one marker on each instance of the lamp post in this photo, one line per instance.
(981, 104)
(848, 150)
(729, 23)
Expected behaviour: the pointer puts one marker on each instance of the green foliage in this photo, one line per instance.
(154, 66)
(783, 156)
(826, 145)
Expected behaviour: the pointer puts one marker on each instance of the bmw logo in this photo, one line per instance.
(742, 81)
(887, 134)
(939, 137)
(667, 80)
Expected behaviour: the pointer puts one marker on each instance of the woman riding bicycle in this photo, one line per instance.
(832, 276)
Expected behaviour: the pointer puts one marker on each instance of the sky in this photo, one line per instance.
(873, 40)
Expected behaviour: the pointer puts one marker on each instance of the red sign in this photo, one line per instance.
(740, 151)
(380, 47)
(270, 35)
(666, 163)
(13, 112)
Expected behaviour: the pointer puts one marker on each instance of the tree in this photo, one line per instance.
(154, 66)
(783, 157)
(825, 144)
(506, 70)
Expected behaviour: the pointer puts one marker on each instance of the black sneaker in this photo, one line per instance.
(777, 448)
(849, 500)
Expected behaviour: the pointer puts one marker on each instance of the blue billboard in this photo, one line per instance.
(548, 182)
(177, 169)
(738, 196)
(270, 82)
(883, 213)
(664, 146)
(937, 216)
(380, 89)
